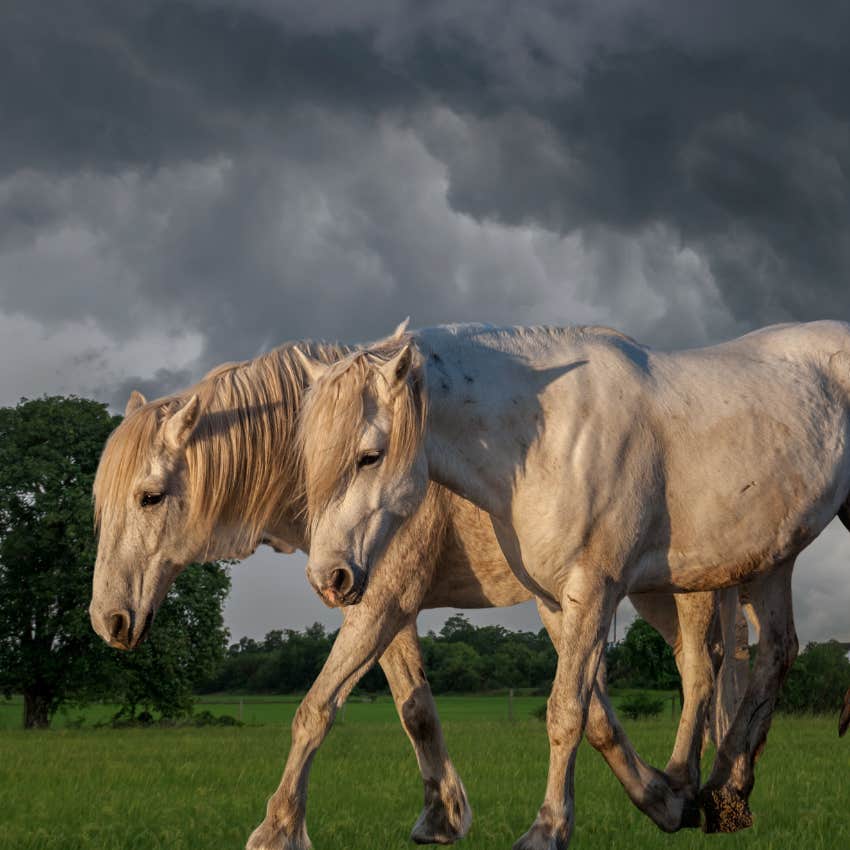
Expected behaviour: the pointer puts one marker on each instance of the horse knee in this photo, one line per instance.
(311, 721)
(417, 713)
(599, 731)
(563, 719)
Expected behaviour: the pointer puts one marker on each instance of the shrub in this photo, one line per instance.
(641, 705)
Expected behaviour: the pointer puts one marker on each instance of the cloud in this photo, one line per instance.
(184, 183)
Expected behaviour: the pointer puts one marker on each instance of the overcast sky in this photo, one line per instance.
(183, 183)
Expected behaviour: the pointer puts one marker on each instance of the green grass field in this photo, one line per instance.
(193, 789)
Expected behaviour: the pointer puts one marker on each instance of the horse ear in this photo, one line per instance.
(400, 330)
(179, 426)
(395, 371)
(135, 401)
(313, 369)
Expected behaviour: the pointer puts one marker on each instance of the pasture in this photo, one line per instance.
(204, 789)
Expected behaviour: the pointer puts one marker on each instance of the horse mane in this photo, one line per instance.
(336, 409)
(241, 468)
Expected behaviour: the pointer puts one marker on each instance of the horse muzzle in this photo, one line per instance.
(343, 585)
(120, 628)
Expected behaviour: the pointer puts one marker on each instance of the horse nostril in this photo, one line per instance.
(119, 623)
(339, 581)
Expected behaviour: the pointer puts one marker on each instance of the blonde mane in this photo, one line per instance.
(335, 411)
(241, 468)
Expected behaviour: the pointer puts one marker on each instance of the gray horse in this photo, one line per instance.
(214, 471)
(607, 469)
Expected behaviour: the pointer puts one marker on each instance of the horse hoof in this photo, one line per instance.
(266, 837)
(725, 810)
(542, 836)
(445, 818)
(691, 817)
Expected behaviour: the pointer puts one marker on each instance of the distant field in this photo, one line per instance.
(280, 709)
(204, 789)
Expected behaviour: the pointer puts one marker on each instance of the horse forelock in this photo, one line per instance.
(337, 409)
(124, 454)
(240, 462)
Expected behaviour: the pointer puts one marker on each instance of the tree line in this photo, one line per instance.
(464, 658)
(49, 451)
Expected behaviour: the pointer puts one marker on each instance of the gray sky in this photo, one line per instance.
(183, 183)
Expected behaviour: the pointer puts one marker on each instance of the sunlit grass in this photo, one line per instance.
(188, 789)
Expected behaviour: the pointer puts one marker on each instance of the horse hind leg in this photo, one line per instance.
(724, 798)
(844, 719)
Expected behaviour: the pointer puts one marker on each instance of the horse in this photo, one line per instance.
(607, 468)
(214, 471)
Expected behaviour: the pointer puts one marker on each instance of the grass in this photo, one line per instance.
(193, 789)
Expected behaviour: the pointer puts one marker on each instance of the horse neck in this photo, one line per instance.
(481, 419)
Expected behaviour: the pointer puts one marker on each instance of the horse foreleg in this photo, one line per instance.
(724, 798)
(587, 606)
(364, 636)
(647, 787)
(446, 816)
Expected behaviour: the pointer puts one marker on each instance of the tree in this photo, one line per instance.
(49, 450)
(818, 680)
(184, 648)
(642, 660)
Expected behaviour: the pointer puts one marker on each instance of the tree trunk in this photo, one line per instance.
(36, 710)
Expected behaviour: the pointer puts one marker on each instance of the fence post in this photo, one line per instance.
(511, 705)
(240, 709)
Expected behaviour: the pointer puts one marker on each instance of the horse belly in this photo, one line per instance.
(727, 554)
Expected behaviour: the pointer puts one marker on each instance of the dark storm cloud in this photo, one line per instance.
(728, 129)
(183, 183)
(162, 382)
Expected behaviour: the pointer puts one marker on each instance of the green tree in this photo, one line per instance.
(642, 660)
(49, 450)
(818, 680)
(184, 648)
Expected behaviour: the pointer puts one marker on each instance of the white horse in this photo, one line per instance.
(213, 471)
(607, 469)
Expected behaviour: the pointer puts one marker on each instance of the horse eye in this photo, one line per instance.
(368, 459)
(151, 499)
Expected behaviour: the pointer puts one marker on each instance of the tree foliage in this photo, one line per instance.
(461, 658)
(818, 680)
(184, 648)
(643, 659)
(49, 450)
